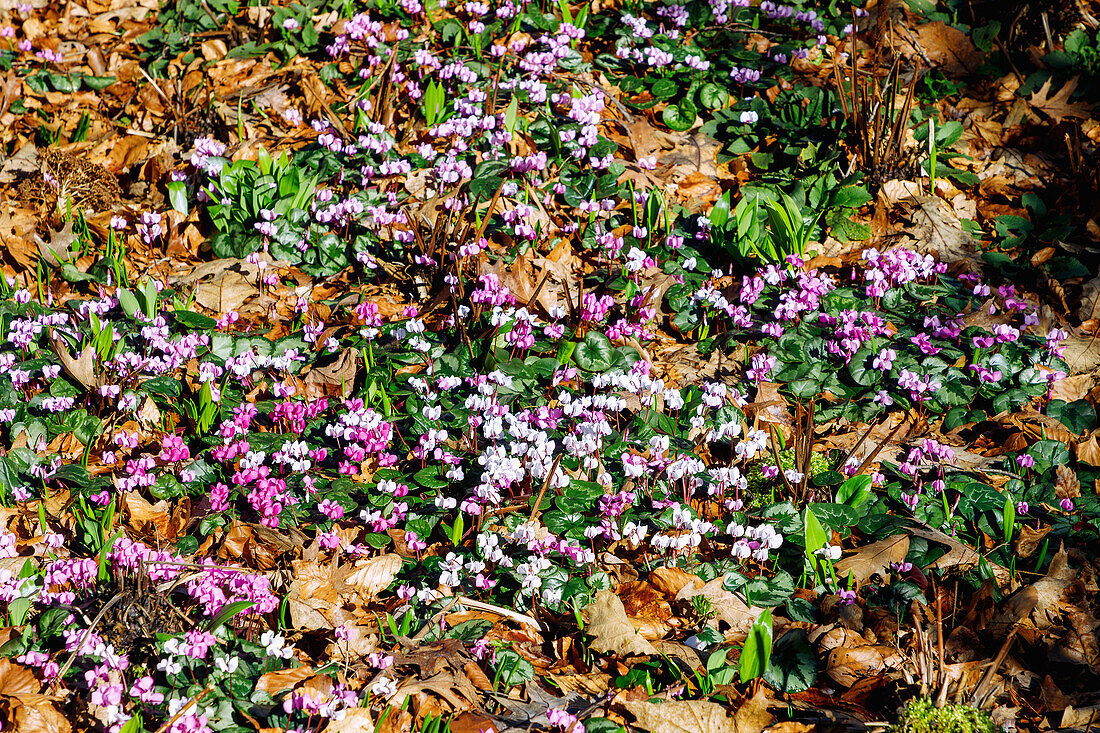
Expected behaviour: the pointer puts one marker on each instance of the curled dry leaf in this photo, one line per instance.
(848, 666)
(611, 628)
(1066, 484)
(839, 637)
(1029, 539)
(874, 559)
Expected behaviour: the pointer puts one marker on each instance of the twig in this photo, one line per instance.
(435, 617)
(84, 640)
(980, 690)
(500, 611)
(183, 710)
(542, 491)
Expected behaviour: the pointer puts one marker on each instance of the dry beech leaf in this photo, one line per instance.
(1049, 589)
(681, 716)
(372, 576)
(670, 581)
(944, 45)
(355, 720)
(275, 682)
(470, 722)
(840, 637)
(874, 559)
(34, 716)
(701, 716)
(477, 677)
(15, 679)
(727, 606)
(312, 597)
(1089, 451)
(611, 628)
(848, 666)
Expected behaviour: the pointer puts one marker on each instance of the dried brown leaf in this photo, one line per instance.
(16, 679)
(1088, 451)
(682, 716)
(727, 607)
(943, 45)
(82, 367)
(355, 720)
(372, 576)
(1058, 106)
(1066, 483)
(285, 679)
(848, 666)
(611, 629)
(1029, 539)
(874, 559)
(670, 581)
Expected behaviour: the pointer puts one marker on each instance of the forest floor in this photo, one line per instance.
(528, 366)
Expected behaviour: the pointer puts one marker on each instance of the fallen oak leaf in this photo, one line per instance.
(874, 559)
(1059, 106)
(959, 556)
(82, 367)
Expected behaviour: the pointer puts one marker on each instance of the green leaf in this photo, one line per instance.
(128, 301)
(595, 353)
(793, 666)
(713, 96)
(177, 196)
(471, 630)
(98, 83)
(816, 538)
(664, 89)
(602, 725)
(512, 669)
(757, 652)
(835, 516)
(851, 197)
(681, 116)
(228, 611)
(855, 492)
(197, 321)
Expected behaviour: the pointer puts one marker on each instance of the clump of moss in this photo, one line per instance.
(922, 716)
(818, 464)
